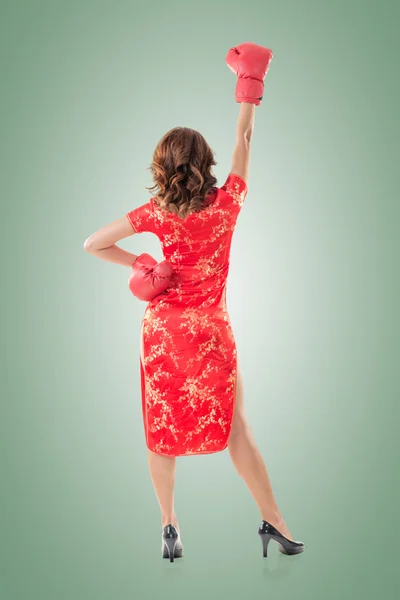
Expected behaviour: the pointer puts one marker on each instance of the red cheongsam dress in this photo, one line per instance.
(188, 358)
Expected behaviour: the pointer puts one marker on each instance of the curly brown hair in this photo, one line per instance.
(182, 171)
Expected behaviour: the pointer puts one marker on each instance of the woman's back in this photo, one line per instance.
(198, 247)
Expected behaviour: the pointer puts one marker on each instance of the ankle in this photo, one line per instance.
(274, 517)
(171, 520)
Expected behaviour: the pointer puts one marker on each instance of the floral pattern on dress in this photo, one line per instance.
(188, 357)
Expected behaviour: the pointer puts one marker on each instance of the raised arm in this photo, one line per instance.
(250, 63)
(244, 131)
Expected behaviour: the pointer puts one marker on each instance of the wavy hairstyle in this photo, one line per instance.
(182, 171)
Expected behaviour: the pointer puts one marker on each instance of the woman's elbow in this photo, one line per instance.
(88, 245)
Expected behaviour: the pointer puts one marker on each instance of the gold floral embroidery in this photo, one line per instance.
(233, 188)
(189, 351)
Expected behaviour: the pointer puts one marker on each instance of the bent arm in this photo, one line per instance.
(244, 132)
(102, 243)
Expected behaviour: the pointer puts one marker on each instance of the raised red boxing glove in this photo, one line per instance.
(250, 64)
(149, 278)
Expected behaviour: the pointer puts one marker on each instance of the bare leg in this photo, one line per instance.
(249, 464)
(162, 472)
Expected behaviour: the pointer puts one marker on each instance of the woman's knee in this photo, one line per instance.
(240, 426)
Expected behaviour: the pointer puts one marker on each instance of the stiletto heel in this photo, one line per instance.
(265, 539)
(171, 543)
(268, 532)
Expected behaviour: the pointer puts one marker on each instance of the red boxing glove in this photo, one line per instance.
(149, 278)
(250, 64)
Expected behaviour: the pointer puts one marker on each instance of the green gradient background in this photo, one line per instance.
(88, 89)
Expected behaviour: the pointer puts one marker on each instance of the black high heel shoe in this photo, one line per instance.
(171, 543)
(268, 532)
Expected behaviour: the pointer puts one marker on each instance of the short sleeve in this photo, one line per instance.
(142, 218)
(236, 187)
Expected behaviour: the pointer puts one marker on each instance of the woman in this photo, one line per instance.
(192, 388)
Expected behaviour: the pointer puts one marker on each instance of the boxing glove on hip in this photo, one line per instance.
(149, 278)
(250, 64)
